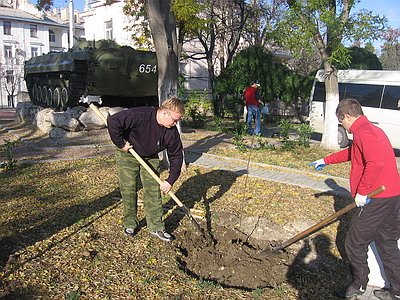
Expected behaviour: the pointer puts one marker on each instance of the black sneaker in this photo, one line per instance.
(129, 231)
(386, 294)
(352, 291)
(162, 235)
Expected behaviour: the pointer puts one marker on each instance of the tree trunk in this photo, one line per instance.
(330, 134)
(163, 30)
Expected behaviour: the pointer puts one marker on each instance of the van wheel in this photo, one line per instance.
(343, 140)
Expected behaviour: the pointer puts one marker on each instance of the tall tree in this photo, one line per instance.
(219, 37)
(44, 5)
(390, 54)
(216, 25)
(362, 59)
(11, 75)
(322, 26)
(263, 16)
(163, 30)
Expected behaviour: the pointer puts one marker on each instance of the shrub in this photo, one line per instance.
(7, 148)
(304, 135)
(285, 127)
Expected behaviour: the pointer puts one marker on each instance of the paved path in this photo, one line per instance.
(303, 179)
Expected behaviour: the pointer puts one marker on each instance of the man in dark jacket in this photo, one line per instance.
(148, 131)
(373, 164)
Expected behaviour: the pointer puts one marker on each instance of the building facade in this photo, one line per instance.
(26, 32)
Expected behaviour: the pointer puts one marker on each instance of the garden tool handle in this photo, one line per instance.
(322, 223)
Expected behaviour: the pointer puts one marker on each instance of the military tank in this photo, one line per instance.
(121, 76)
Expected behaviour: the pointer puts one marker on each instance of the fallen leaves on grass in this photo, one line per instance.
(61, 233)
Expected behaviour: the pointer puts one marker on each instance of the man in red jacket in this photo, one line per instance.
(373, 164)
(252, 99)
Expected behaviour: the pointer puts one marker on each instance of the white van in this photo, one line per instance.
(378, 93)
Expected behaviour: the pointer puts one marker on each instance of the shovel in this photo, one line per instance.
(154, 175)
(317, 226)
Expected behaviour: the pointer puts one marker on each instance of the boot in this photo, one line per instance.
(386, 294)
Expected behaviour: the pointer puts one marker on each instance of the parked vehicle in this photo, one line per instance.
(378, 93)
(121, 76)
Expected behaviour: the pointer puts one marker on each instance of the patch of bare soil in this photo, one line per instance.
(231, 260)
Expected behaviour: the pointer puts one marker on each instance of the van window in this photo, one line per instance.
(367, 94)
(342, 90)
(319, 92)
(391, 97)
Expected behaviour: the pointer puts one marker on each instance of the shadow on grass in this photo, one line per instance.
(30, 227)
(207, 188)
(341, 198)
(26, 293)
(318, 276)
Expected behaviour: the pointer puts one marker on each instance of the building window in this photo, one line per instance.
(52, 36)
(10, 99)
(8, 51)
(33, 30)
(9, 76)
(7, 27)
(34, 51)
(109, 29)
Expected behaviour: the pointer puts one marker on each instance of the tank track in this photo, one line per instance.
(71, 87)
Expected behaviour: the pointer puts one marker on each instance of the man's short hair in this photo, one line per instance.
(350, 107)
(175, 104)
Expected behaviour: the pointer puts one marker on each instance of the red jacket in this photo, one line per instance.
(251, 96)
(373, 162)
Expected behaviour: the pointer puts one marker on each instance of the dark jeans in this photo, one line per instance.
(377, 221)
(253, 112)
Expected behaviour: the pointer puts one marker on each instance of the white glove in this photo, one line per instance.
(361, 200)
(318, 164)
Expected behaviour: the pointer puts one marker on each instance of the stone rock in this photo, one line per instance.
(43, 120)
(91, 121)
(114, 110)
(75, 112)
(26, 112)
(65, 121)
(56, 133)
(72, 119)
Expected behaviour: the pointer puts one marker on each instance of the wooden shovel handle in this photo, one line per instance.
(326, 220)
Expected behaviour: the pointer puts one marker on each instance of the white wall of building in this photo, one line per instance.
(100, 15)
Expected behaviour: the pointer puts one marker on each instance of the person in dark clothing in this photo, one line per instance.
(148, 131)
(373, 164)
(252, 100)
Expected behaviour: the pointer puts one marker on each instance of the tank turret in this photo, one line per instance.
(121, 76)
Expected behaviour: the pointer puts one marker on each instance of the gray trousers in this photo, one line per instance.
(129, 172)
(377, 221)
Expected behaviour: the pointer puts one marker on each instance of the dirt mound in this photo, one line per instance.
(231, 260)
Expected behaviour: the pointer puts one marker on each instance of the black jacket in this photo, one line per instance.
(139, 127)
